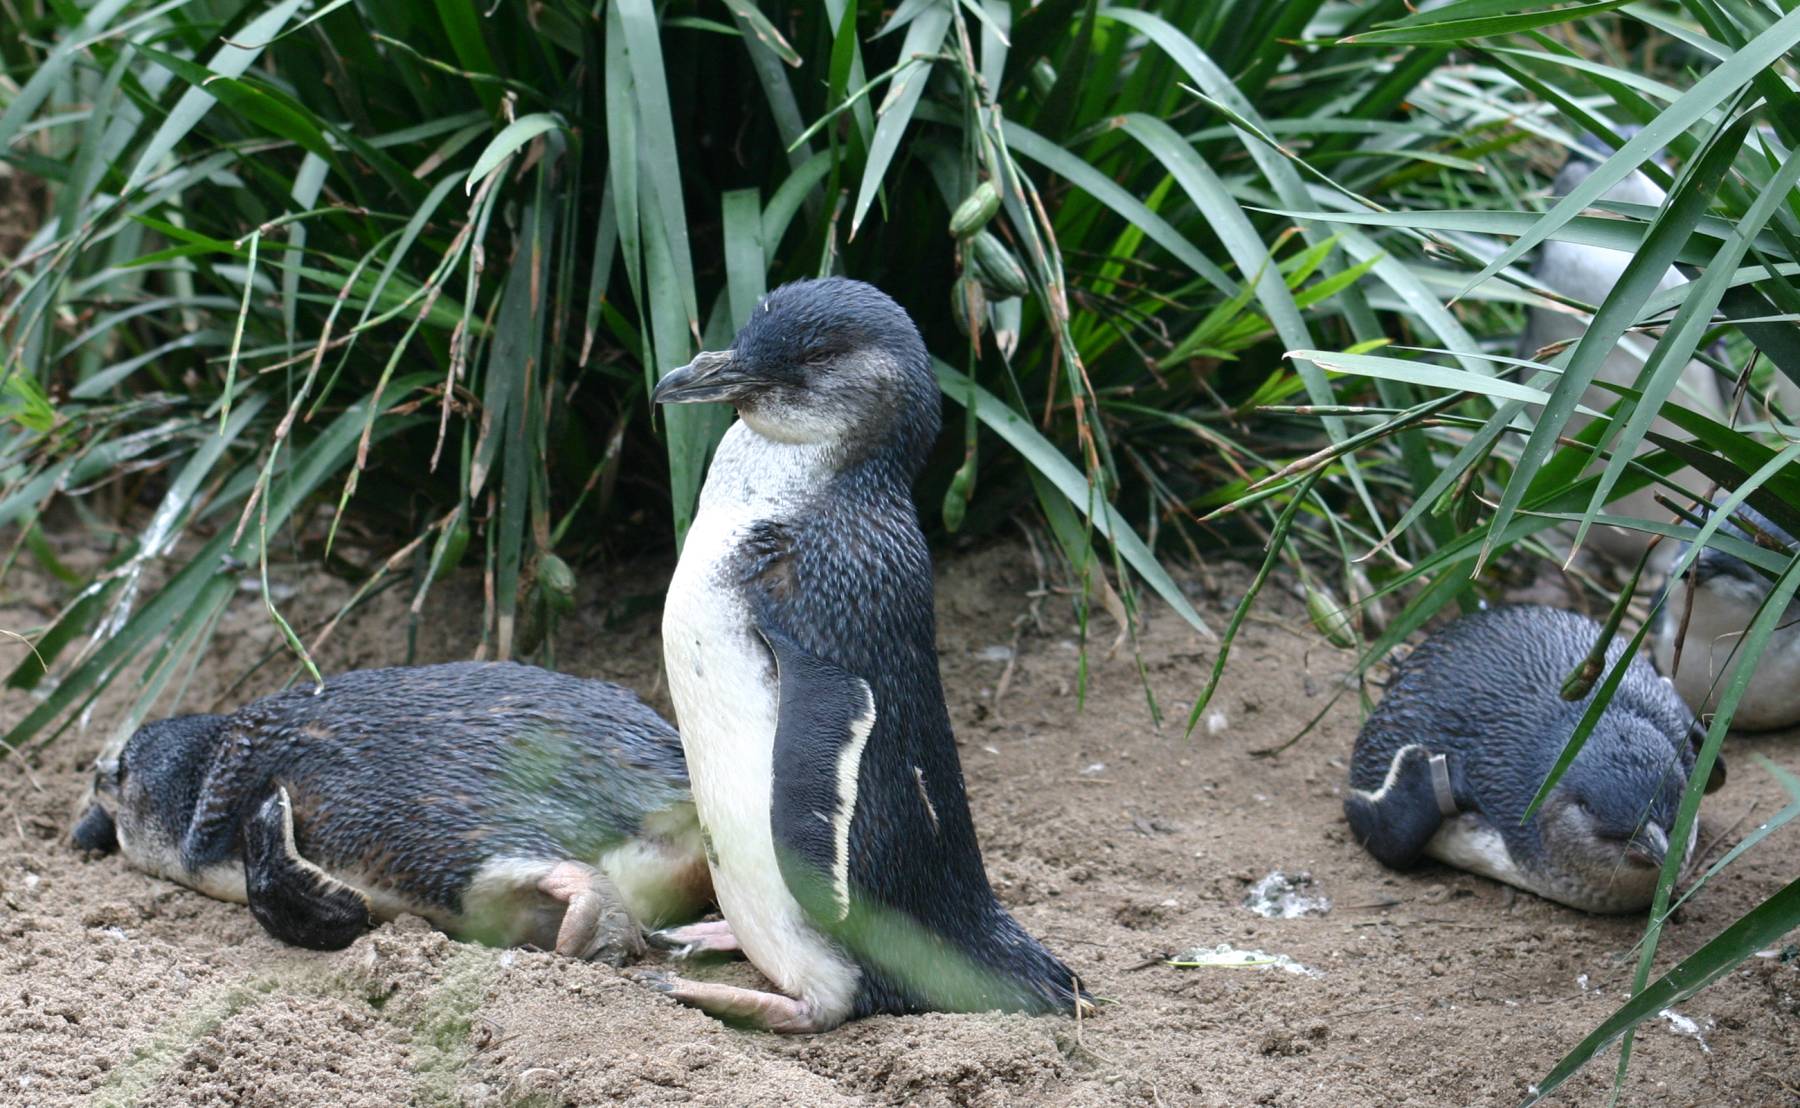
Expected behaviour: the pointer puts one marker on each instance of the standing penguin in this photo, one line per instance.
(504, 803)
(799, 638)
(1588, 274)
(1472, 723)
(1727, 593)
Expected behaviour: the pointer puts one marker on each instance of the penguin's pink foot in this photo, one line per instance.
(766, 1011)
(711, 937)
(595, 925)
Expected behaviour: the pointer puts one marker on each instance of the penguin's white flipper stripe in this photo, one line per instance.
(824, 721)
(849, 767)
(1393, 775)
(327, 883)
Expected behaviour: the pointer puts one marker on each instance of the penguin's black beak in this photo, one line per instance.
(96, 831)
(714, 375)
(1648, 847)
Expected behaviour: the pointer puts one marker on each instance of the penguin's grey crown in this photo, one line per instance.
(829, 361)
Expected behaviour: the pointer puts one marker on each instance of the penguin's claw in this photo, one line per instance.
(654, 979)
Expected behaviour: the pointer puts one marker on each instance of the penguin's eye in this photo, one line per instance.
(1582, 803)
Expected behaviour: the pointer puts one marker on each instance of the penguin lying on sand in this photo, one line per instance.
(504, 803)
(1588, 273)
(1471, 724)
(1727, 591)
(799, 638)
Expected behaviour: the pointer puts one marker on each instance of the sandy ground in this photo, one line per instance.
(1119, 842)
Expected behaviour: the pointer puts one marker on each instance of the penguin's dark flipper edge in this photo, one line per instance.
(1396, 820)
(294, 900)
(822, 726)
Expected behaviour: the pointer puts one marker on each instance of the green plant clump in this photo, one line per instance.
(1199, 273)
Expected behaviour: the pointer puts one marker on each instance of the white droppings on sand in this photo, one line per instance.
(999, 652)
(1216, 723)
(1685, 1026)
(1226, 956)
(1286, 896)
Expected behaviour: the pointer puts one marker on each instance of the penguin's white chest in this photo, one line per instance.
(727, 698)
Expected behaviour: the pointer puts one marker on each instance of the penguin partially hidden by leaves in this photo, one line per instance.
(1471, 725)
(799, 639)
(504, 803)
(1588, 274)
(1727, 592)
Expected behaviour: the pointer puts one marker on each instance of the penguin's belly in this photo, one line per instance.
(1469, 842)
(727, 697)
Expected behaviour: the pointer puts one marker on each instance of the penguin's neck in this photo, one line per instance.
(767, 478)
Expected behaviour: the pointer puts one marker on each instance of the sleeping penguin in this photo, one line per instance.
(1470, 726)
(800, 644)
(1588, 274)
(504, 803)
(1727, 592)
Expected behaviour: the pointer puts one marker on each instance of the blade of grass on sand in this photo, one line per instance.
(1761, 926)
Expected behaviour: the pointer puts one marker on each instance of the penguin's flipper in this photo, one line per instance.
(295, 900)
(236, 770)
(1396, 820)
(821, 729)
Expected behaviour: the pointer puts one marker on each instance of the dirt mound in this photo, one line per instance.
(1119, 842)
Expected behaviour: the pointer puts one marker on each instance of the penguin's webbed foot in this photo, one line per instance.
(595, 925)
(696, 939)
(765, 1011)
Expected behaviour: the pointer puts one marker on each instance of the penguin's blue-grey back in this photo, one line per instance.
(1490, 684)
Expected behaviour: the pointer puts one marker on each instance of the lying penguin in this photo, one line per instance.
(1727, 591)
(1588, 274)
(504, 803)
(800, 644)
(1471, 724)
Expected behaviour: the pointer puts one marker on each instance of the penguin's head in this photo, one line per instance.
(1610, 817)
(830, 362)
(142, 798)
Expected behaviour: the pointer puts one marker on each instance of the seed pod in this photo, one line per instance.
(1329, 616)
(557, 581)
(447, 552)
(967, 303)
(1042, 78)
(976, 209)
(995, 267)
(956, 497)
